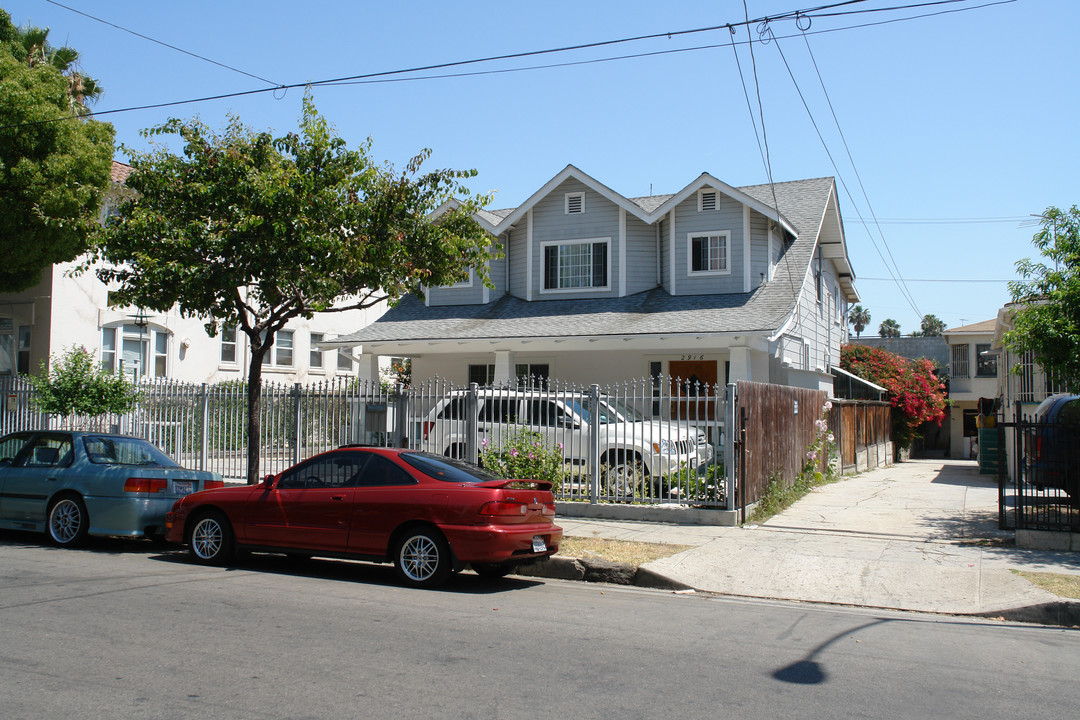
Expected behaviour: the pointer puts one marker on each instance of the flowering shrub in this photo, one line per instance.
(524, 456)
(821, 450)
(915, 392)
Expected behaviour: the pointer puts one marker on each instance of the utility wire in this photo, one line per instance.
(851, 160)
(373, 77)
(843, 184)
(164, 44)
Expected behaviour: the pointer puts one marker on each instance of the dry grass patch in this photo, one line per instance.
(622, 551)
(1057, 583)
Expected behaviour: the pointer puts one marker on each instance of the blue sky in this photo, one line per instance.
(960, 125)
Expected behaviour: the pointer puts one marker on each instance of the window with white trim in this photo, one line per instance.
(709, 253)
(344, 360)
(707, 199)
(574, 203)
(137, 351)
(482, 374)
(228, 345)
(315, 354)
(466, 283)
(281, 355)
(576, 265)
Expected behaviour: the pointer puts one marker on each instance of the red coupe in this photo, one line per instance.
(428, 514)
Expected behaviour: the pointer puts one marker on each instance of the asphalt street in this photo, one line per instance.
(124, 630)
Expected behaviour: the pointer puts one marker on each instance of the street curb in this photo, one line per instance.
(1063, 613)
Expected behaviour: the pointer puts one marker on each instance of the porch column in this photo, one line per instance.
(368, 367)
(505, 372)
(741, 364)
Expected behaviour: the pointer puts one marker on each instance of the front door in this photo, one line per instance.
(693, 389)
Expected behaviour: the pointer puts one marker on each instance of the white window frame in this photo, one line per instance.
(149, 355)
(272, 357)
(316, 357)
(710, 234)
(235, 343)
(701, 199)
(584, 241)
(345, 361)
(960, 361)
(566, 203)
(468, 283)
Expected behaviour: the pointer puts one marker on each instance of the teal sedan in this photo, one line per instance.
(71, 484)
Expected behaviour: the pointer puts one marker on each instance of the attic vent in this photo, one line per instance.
(575, 203)
(707, 200)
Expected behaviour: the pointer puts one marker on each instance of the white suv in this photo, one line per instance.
(632, 449)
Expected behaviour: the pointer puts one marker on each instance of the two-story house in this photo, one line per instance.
(973, 377)
(713, 282)
(63, 310)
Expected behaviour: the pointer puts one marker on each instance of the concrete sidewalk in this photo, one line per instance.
(921, 536)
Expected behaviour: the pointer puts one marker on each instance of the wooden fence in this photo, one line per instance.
(781, 424)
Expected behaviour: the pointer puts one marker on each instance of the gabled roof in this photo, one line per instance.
(980, 328)
(809, 212)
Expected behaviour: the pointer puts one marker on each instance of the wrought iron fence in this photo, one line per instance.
(1042, 491)
(655, 440)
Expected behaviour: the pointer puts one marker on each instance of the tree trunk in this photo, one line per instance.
(254, 424)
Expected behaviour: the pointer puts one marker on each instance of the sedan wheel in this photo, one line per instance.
(423, 558)
(212, 540)
(68, 522)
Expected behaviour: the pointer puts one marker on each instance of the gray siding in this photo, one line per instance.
(728, 216)
(551, 223)
(817, 321)
(640, 255)
(759, 249)
(516, 253)
(474, 294)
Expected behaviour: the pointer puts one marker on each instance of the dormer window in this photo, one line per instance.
(706, 200)
(709, 253)
(575, 203)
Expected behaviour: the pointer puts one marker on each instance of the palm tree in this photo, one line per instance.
(932, 326)
(889, 329)
(82, 89)
(859, 317)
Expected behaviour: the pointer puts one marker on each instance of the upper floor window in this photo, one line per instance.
(710, 253)
(281, 355)
(706, 200)
(985, 363)
(466, 283)
(228, 344)
(315, 359)
(135, 350)
(576, 264)
(574, 203)
(958, 361)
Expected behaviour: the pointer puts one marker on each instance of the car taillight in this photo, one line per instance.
(503, 508)
(146, 485)
(213, 484)
(428, 424)
(549, 510)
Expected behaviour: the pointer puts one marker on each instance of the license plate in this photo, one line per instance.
(538, 544)
(183, 487)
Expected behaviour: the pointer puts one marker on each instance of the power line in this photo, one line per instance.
(164, 44)
(934, 280)
(386, 76)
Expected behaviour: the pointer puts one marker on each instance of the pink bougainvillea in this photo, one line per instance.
(915, 392)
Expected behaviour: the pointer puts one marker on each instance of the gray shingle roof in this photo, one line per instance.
(655, 312)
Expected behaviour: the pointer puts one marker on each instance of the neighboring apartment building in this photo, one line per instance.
(973, 377)
(713, 283)
(62, 311)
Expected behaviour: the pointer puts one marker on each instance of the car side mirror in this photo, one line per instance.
(268, 481)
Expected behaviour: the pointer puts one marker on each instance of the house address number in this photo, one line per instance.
(691, 357)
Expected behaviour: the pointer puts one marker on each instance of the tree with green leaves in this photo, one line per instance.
(889, 328)
(249, 230)
(76, 387)
(1046, 315)
(54, 161)
(931, 326)
(859, 318)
